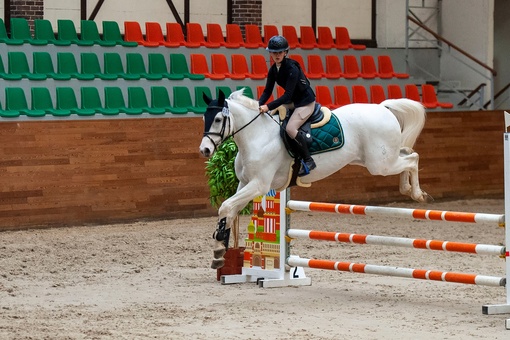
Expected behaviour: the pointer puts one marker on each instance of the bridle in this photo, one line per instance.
(226, 118)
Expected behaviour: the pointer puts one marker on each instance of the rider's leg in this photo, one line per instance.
(298, 118)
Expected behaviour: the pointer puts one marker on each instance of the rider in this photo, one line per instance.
(298, 95)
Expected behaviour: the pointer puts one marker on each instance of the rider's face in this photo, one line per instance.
(278, 56)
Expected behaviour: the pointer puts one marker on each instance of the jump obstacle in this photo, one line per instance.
(278, 268)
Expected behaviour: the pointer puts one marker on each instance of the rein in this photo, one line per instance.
(221, 134)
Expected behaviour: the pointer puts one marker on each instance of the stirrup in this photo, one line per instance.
(306, 167)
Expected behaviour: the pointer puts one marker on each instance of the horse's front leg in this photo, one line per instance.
(226, 215)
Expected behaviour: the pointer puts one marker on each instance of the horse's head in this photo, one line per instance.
(216, 124)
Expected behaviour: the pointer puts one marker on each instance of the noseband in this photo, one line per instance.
(226, 118)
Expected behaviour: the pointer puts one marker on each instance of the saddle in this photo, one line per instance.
(323, 133)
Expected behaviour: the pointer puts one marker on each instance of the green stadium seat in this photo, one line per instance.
(161, 99)
(158, 65)
(137, 100)
(66, 100)
(179, 66)
(5, 75)
(248, 92)
(90, 100)
(4, 38)
(18, 64)
(44, 65)
(90, 65)
(43, 30)
(41, 101)
(200, 104)
(16, 103)
(21, 31)
(135, 65)
(226, 90)
(90, 32)
(114, 99)
(67, 32)
(66, 65)
(111, 32)
(113, 65)
(182, 98)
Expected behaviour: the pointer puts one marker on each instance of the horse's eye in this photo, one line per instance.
(217, 120)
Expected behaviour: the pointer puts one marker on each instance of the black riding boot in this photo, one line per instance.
(308, 164)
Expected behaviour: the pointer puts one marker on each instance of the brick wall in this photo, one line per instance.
(104, 171)
(247, 12)
(28, 9)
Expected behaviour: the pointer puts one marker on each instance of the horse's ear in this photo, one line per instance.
(221, 97)
(207, 100)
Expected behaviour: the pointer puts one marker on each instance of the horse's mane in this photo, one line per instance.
(240, 98)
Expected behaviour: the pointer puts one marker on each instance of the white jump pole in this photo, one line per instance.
(435, 215)
(473, 248)
(505, 308)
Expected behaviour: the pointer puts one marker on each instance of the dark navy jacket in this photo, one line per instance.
(292, 79)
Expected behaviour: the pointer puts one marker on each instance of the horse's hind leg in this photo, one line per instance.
(409, 179)
(405, 185)
(405, 164)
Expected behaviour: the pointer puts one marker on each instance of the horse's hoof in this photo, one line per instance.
(427, 198)
(219, 252)
(217, 263)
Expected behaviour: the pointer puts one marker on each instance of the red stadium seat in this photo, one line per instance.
(133, 32)
(234, 36)
(308, 39)
(412, 92)
(386, 68)
(195, 35)
(429, 98)
(325, 39)
(368, 69)
(199, 66)
(359, 94)
(351, 68)
(259, 65)
(174, 35)
(315, 67)
(343, 40)
(253, 37)
(323, 96)
(154, 34)
(269, 31)
(377, 95)
(290, 33)
(260, 89)
(333, 67)
(240, 66)
(341, 95)
(214, 35)
(394, 91)
(220, 66)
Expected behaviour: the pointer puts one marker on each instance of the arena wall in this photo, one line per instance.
(55, 173)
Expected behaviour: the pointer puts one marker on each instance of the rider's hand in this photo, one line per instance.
(263, 109)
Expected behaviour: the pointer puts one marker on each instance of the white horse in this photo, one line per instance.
(379, 137)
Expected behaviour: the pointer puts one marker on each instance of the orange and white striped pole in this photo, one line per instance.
(437, 215)
(434, 275)
(481, 249)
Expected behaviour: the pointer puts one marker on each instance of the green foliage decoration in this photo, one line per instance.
(220, 171)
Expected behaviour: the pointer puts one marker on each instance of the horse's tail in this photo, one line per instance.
(411, 116)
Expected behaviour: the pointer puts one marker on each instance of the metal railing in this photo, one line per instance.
(446, 46)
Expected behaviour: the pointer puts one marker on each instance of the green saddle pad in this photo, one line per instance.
(328, 137)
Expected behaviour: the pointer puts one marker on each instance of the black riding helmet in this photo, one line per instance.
(277, 43)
